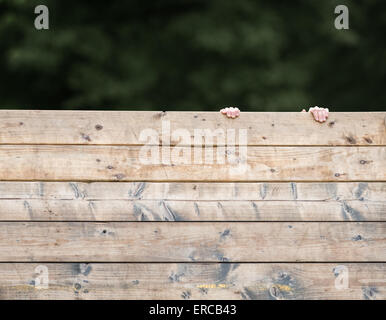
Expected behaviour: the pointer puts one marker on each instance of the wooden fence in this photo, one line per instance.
(285, 208)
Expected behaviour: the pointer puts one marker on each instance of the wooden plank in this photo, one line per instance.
(107, 163)
(188, 210)
(124, 127)
(189, 242)
(215, 191)
(136, 201)
(194, 281)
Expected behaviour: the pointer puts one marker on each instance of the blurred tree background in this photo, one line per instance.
(193, 55)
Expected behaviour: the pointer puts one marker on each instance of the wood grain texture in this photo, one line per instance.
(190, 242)
(188, 210)
(108, 163)
(215, 191)
(73, 189)
(124, 127)
(194, 281)
(141, 201)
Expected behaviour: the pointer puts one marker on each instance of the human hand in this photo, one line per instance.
(320, 114)
(231, 112)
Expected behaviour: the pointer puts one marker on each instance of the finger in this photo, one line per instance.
(320, 113)
(323, 116)
(327, 111)
(313, 108)
(313, 112)
(316, 115)
(223, 111)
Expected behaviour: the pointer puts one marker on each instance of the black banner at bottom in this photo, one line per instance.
(187, 309)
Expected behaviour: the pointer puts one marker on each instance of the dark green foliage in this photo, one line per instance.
(193, 55)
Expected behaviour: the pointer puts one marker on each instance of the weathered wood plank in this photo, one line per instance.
(188, 242)
(124, 127)
(107, 163)
(193, 281)
(215, 191)
(188, 210)
(136, 201)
